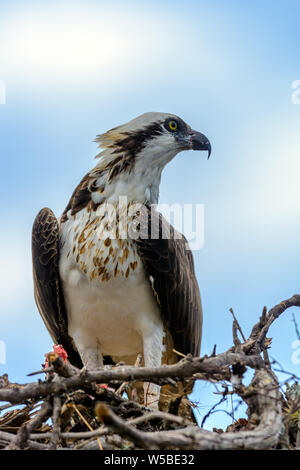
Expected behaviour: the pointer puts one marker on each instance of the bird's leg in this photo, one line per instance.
(153, 349)
(90, 354)
(91, 358)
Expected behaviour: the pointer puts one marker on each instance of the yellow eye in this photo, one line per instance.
(173, 125)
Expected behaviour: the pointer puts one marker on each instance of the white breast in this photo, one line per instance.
(110, 305)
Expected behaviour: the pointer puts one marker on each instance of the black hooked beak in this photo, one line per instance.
(200, 142)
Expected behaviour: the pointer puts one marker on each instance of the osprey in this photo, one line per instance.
(107, 296)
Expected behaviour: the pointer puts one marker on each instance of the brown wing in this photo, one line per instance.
(47, 286)
(168, 261)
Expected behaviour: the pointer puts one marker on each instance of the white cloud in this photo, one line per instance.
(96, 42)
(45, 43)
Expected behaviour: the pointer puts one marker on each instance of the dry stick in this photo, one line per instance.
(296, 325)
(212, 409)
(182, 369)
(237, 324)
(266, 358)
(5, 407)
(56, 422)
(87, 424)
(274, 313)
(113, 421)
(262, 400)
(236, 340)
(42, 371)
(158, 415)
(264, 436)
(298, 433)
(21, 439)
(178, 353)
(292, 410)
(102, 431)
(9, 439)
(138, 363)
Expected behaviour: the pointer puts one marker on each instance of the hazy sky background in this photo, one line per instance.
(74, 69)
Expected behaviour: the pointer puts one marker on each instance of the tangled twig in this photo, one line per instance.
(71, 398)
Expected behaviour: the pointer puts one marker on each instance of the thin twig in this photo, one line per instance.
(86, 423)
(237, 324)
(124, 385)
(56, 422)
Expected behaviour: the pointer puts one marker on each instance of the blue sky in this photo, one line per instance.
(75, 69)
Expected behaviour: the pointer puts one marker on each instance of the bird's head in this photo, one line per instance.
(159, 135)
(144, 145)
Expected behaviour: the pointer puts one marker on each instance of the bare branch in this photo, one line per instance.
(68, 395)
